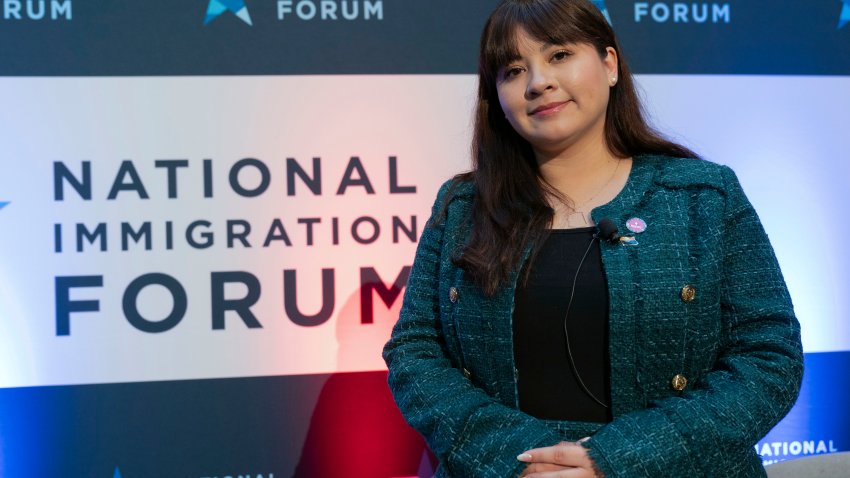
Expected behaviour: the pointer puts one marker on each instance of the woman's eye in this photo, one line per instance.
(513, 71)
(560, 55)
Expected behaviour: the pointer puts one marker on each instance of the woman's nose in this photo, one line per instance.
(539, 80)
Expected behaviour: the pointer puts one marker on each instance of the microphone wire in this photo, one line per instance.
(567, 331)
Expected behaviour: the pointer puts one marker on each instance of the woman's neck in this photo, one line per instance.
(584, 178)
(577, 172)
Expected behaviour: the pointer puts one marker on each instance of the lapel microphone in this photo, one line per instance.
(607, 230)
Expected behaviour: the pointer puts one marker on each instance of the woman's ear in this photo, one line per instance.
(611, 61)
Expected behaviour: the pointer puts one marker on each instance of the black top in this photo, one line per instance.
(548, 388)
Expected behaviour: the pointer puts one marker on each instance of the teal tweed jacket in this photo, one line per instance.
(737, 341)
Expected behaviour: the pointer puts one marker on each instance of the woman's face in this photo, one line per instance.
(555, 96)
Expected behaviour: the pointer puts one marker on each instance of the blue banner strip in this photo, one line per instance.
(285, 426)
(288, 37)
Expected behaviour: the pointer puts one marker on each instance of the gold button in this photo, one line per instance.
(453, 294)
(688, 293)
(467, 373)
(679, 382)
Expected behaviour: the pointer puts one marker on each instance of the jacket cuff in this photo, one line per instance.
(644, 443)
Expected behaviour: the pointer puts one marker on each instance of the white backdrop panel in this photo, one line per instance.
(780, 134)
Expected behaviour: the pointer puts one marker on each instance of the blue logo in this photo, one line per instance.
(3, 204)
(117, 473)
(844, 19)
(237, 7)
(600, 4)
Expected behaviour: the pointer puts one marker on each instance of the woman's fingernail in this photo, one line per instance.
(523, 457)
(583, 440)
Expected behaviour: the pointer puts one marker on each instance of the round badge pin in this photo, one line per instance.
(636, 225)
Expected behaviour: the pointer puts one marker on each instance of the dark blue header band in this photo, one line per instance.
(271, 37)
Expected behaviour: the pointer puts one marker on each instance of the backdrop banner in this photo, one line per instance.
(208, 214)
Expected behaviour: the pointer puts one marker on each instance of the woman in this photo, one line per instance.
(537, 340)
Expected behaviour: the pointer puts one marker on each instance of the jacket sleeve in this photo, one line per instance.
(710, 430)
(470, 432)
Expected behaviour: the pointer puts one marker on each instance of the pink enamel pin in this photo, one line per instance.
(636, 225)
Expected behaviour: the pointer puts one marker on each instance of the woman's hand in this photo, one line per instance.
(564, 460)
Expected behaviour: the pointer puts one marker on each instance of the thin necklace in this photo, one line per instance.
(578, 209)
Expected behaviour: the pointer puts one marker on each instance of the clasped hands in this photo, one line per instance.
(564, 460)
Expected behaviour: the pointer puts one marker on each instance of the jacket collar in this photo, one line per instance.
(641, 178)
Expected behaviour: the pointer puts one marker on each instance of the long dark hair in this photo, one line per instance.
(510, 211)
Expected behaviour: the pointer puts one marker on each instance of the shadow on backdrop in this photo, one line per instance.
(356, 430)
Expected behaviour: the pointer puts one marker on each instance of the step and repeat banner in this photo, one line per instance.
(209, 210)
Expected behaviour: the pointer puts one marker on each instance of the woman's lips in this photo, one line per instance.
(548, 109)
